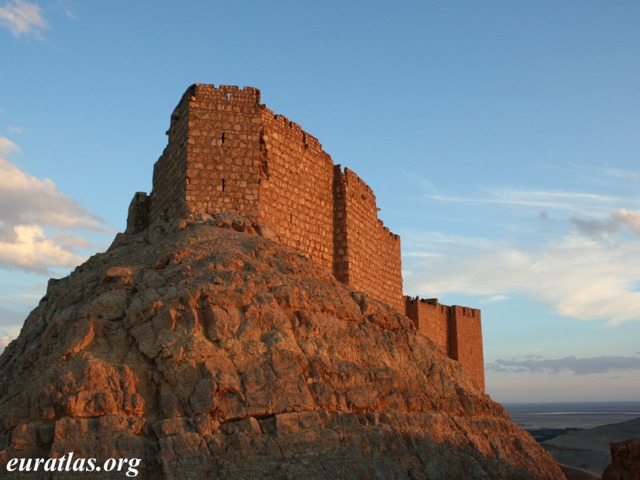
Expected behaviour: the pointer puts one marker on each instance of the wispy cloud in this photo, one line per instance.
(17, 130)
(29, 208)
(578, 277)
(70, 14)
(583, 262)
(577, 202)
(23, 19)
(624, 176)
(576, 366)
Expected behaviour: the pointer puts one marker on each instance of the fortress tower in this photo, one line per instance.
(228, 153)
(456, 330)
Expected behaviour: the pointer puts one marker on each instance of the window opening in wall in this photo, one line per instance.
(228, 96)
(222, 138)
(223, 184)
(290, 217)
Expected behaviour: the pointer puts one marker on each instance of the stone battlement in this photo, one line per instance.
(226, 152)
(456, 330)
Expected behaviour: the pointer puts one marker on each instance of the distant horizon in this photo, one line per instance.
(579, 402)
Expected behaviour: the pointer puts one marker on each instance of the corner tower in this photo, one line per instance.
(212, 160)
(456, 330)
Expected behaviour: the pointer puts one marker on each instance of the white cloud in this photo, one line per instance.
(631, 219)
(584, 266)
(31, 249)
(30, 208)
(25, 199)
(578, 277)
(7, 147)
(23, 19)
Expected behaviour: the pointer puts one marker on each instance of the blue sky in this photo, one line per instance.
(502, 140)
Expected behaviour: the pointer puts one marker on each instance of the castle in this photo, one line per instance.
(228, 153)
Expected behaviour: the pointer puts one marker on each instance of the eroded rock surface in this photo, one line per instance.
(209, 351)
(625, 461)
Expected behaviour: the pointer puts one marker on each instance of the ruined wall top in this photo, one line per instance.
(231, 93)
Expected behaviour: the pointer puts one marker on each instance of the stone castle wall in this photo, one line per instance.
(465, 340)
(228, 153)
(168, 197)
(372, 261)
(296, 191)
(319, 210)
(431, 319)
(223, 167)
(456, 330)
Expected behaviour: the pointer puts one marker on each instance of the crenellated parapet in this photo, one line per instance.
(456, 330)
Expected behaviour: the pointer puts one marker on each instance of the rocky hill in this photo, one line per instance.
(209, 351)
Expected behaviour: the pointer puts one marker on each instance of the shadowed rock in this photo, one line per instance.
(625, 461)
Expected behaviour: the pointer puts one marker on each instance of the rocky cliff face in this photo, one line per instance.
(209, 351)
(625, 461)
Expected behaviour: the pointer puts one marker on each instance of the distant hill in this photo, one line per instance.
(589, 449)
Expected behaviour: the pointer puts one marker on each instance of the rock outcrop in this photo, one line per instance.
(625, 461)
(209, 351)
